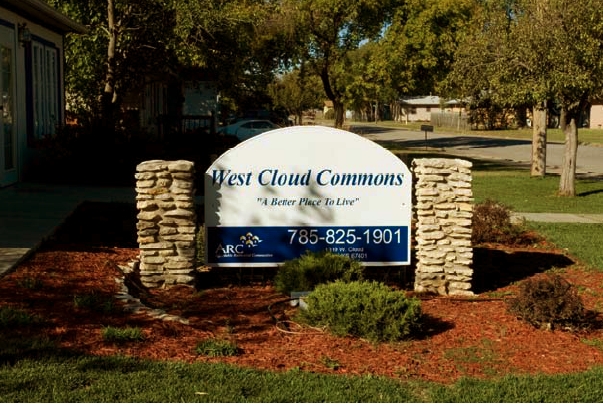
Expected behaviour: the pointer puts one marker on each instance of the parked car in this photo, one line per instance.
(244, 130)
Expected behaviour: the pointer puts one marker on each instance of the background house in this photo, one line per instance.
(596, 115)
(175, 103)
(419, 109)
(31, 80)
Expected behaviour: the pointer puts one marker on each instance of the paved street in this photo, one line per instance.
(589, 162)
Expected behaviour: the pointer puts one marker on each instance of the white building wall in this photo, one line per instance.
(12, 21)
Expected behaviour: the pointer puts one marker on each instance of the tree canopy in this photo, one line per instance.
(531, 51)
(500, 53)
(328, 30)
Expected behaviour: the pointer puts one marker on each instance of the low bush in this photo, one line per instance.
(363, 309)
(11, 318)
(30, 283)
(125, 334)
(314, 268)
(549, 302)
(492, 224)
(216, 347)
(94, 302)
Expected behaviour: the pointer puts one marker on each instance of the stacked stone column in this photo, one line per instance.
(167, 222)
(444, 212)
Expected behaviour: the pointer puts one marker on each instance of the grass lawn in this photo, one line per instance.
(523, 193)
(52, 377)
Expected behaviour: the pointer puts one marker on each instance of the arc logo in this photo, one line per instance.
(246, 241)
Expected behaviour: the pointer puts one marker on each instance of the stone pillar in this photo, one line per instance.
(444, 213)
(167, 222)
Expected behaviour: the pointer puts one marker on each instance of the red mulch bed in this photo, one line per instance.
(463, 337)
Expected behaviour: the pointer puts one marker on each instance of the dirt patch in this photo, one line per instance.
(474, 337)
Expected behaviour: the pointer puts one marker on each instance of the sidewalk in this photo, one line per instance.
(559, 217)
(29, 213)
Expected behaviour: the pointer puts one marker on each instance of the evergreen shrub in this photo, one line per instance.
(366, 309)
(314, 268)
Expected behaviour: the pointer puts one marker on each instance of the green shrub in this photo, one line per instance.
(364, 309)
(125, 334)
(11, 317)
(549, 302)
(30, 283)
(216, 347)
(492, 223)
(313, 268)
(94, 302)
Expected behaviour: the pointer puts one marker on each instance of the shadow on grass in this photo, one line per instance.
(494, 269)
(16, 346)
(593, 192)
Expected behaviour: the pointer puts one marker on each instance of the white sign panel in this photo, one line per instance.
(290, 190)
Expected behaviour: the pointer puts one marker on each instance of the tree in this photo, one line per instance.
(534, 51)
(295, 92)
(490, 66)
(329, 31)
(418, 48)
(128, 40)
(566, 63)
(132, 40)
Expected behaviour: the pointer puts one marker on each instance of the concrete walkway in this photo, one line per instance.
(559, 217)
(29, 213)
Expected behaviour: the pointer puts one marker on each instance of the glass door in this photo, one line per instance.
(8, 136)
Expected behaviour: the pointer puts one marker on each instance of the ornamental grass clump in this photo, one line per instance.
(11, 317)
(122, 334)
(313, 268)
(549, 302)
(366, 309)
(215, 347)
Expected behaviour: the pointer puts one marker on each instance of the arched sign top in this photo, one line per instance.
(313, 142)
(309, 187)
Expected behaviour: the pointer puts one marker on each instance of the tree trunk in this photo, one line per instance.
(331, 95)
(338, 107)
(538, 168)
(562, 119)
(567, 182)
(108, 96)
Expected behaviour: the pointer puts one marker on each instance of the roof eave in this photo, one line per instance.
(42, 13)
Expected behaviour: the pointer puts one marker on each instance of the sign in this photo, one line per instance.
(301, 188)
(426, 128)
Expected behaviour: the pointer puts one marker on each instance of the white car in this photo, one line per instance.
(244, 130)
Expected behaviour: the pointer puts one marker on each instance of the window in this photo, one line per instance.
(45, 83)
(7, 132)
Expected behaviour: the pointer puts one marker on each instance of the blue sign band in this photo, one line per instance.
(274, 245)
